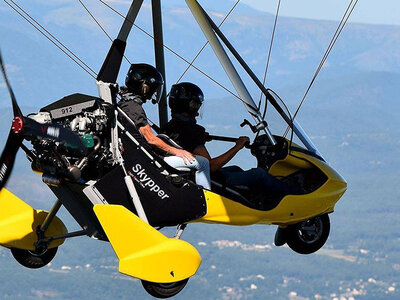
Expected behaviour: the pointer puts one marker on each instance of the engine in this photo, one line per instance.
(90, 118)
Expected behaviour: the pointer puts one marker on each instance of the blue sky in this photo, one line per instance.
(366, 11)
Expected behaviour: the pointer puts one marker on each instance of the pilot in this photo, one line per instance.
(185, 100)
(144, 82)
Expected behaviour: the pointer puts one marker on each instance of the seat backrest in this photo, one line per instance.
(155, 153)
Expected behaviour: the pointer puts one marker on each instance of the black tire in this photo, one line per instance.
(164, 290)
(308, 236)
(33, 259)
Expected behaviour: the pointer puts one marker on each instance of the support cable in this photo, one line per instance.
(98, 24)
(339, 29)
(336, 35)
(28, 18)
(80, 62)
(95, 20)
(206, 43)
(25, 15)
(173, 51)
(268, 59)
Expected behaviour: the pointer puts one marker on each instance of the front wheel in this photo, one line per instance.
(33, 259)
(308, 236)
(164, 290)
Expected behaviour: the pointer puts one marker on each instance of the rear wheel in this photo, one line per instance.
(308, 236)
(33, 259)
(164, 290)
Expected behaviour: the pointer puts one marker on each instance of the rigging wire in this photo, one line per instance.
(206, 43)
(338, 31)
(268, 58)
(95, 20)
(52, 38)
(82, 64)
(172, 51)
(336, 35)
(98, 24)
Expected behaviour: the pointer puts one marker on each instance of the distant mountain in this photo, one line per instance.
(351, 114)
(42, 73)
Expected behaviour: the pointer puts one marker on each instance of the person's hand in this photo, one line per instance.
(242, 141)
(186, 156)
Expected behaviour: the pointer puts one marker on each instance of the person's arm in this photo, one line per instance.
(157, 142)
(219, 161)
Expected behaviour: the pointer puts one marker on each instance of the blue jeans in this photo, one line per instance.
(257, 179)
(201, 165)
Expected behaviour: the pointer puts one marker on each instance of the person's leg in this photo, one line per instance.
(221, 174)
(200, 164)
(203, 172)
(231, 169)
(268, 184)
(236, 178)
(258, 180)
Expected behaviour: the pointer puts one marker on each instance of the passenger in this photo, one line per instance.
(144, 82)
(185, 100)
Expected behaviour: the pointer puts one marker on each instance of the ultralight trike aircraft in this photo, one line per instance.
(118, 189)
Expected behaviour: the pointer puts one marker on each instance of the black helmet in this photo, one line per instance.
(146, 81)
(185, 97)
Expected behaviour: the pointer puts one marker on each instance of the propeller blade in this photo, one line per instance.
(52, 131)
(23, 127)
(14, 141)
(16, 109)
(7, 158)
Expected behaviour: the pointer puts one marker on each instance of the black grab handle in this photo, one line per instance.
(210, 138)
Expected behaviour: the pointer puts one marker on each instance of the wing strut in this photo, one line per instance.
(270, 97)
(111, 65)
(201, 18)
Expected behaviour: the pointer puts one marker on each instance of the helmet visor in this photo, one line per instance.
(200, 112)
(157, 93)
(194, 105)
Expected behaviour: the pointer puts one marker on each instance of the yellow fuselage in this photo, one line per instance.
(292, 208)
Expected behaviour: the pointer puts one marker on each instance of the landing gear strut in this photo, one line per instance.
(42, 254)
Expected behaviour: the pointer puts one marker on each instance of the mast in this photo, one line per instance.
(107, 78)
(159, 56)
(111, 65)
